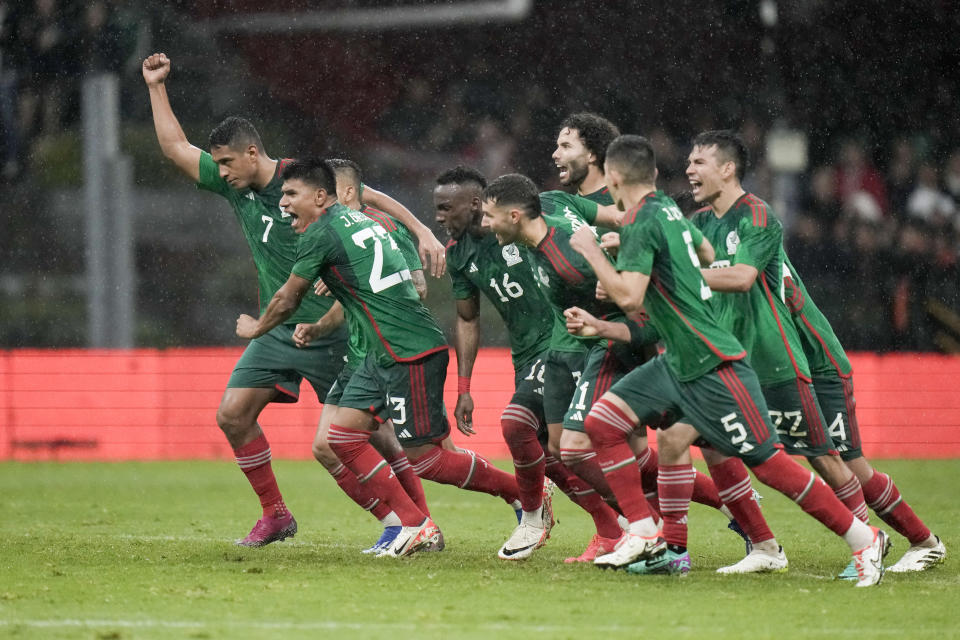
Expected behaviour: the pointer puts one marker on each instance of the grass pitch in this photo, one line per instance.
(144, 550)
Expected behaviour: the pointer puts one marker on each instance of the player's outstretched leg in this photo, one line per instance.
(519, 426)
(237, 418)
(277, 523)
(868, 544)
(464, 469)
(883, 496)
(608, 530)
(609, 429)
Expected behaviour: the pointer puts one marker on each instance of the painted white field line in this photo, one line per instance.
(67, 623)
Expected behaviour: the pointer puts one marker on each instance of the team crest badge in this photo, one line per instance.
(512, 255)
(733, 240)
(544, 278)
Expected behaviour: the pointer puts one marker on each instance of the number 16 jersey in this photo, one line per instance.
(505, 277)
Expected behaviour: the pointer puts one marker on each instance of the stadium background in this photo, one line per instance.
(869, 189)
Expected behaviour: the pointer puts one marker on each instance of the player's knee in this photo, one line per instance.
(324, 454)
(515, 432)
(232, 422)
(601, 433)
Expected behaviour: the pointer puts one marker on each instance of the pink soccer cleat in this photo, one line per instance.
(269, 530)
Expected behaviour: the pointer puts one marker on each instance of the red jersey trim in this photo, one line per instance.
(783, 334)
(560, 264)
(826, 349)
(380, 217)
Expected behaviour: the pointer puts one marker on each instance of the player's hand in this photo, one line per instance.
(584, 241)
(580, 323)
(464, 414)
(432, 253)
(601, 292)
(247, 326)
(306, 332)
(321, 289)
(156, 68)
(611, 242)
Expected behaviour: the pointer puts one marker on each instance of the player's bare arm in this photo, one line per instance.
(609, 216)
(419, 283)
(305, 333)
(173, 142)
(284, 302)
(432, 252)
(737, 278)
(467, 344)
(625, 288)
(583, 323)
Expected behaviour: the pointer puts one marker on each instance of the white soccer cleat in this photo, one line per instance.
(629, 549)
(526, 539)
(869, 560)
(412, 539)
(759, 561)
(920, 558)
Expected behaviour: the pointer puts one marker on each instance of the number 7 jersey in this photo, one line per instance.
(365, 270)
(271, 239)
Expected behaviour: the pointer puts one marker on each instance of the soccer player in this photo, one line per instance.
(833, 381)
(477, 263)
(271, 368)
(349, 185)
(702, 377)
(747, 273)
(368, 275)
(581, 147)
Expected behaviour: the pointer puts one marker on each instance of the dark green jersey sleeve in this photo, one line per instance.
(561, 203)
(209, 176)
(462, 287)
(759, 243)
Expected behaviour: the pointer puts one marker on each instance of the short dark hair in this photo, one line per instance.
(730, 145)
(315, 172)
(514, 190)
(349, 168)
(461, 175)
(235, 133)
(634, 158)
(596, 132)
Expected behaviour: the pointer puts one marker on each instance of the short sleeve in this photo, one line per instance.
(462, 287)
(758, 244)
(208, 177)
(587, 209)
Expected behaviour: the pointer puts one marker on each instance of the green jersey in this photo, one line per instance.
(401, 235)
(656, 240)
(820, 344)
(600, 196)
(365, 270)
(269, 235)
(566, 277)
(749, 234)
(505, 277)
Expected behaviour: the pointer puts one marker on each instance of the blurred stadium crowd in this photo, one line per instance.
(873, 219)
